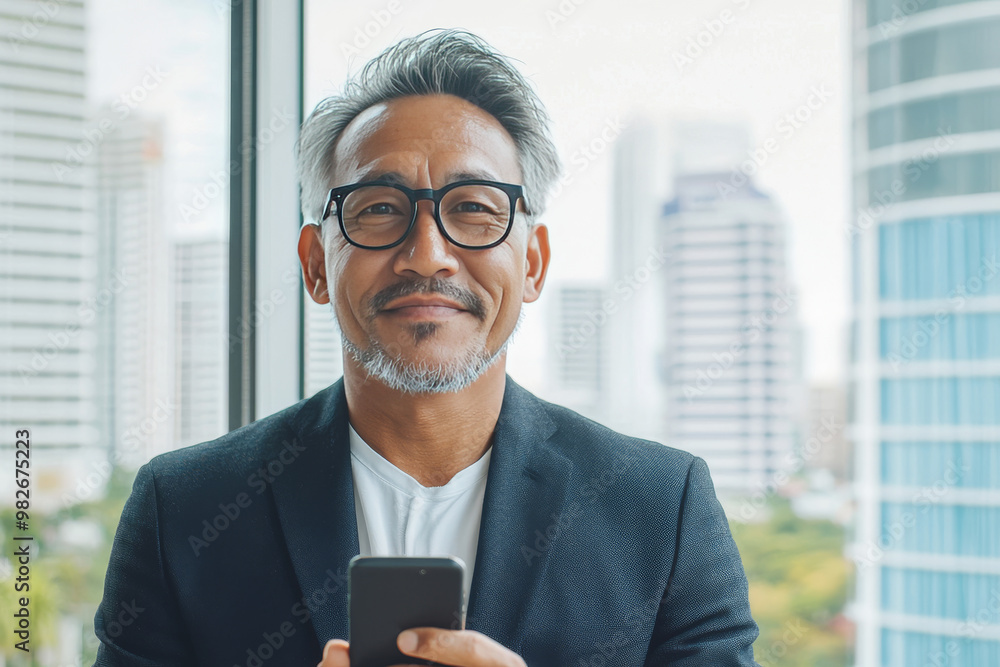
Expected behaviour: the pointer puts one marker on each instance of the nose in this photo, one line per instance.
(425, 251)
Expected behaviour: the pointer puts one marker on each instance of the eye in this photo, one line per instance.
(380, 209)
(472, 207)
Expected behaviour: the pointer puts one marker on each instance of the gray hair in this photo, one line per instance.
(453, 62)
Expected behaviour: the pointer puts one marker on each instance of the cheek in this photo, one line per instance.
(505, 289)
(348, 280)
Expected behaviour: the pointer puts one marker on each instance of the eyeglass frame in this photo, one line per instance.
(338, 194)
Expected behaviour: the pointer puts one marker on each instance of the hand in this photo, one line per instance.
(459, 648)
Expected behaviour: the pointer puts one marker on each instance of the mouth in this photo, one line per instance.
(416, 308)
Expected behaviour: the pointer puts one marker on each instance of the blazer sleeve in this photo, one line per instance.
(138, 622)
(704, 618)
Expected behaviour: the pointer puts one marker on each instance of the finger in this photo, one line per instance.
(335, 654)
(456, 647)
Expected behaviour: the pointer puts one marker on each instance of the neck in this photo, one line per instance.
(431, 437)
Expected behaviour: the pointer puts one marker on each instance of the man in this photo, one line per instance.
(424, 181)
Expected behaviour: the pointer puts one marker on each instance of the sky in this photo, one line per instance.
(598, 65)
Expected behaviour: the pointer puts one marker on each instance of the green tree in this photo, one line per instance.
(799, 581)
(65, 579)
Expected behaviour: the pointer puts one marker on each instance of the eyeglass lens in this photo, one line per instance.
(474, 215)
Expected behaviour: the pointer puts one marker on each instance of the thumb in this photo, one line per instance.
(335, 654)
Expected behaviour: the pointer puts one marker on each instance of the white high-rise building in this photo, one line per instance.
(49, 296)
(135, 376)
(633, 329)
(578, 350)
(730, 355)
(323, 350)
(201, 339)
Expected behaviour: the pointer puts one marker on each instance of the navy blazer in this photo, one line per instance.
(595, 548)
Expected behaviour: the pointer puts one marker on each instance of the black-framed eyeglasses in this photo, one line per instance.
(472, 214)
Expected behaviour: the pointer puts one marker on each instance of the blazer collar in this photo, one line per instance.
(525, 495)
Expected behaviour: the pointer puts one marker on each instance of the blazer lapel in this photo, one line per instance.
(315, 501)
(526, 490)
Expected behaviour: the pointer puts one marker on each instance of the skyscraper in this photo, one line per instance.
(134, 374)
(49, 298)
(200, 338)
(578, 349)
(635, 403)
(730, 355)
(925, 349)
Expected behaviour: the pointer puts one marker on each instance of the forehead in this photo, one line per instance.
(425, 137)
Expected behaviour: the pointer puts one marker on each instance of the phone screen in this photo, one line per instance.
(387, 595)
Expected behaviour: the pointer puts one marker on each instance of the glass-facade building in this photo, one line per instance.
(925, 343)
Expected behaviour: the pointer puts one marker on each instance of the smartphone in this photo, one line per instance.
(386, 595)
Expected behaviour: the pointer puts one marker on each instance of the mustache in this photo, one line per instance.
(467, 299)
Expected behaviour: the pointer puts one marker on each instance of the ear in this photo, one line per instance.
(536, 262)
(313, 260)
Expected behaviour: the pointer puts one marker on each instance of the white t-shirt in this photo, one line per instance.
(397, 516)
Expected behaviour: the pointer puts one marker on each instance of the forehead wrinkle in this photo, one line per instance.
(396, 178)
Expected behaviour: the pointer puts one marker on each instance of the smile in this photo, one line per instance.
(423, 312)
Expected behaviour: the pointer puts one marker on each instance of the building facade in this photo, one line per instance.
(135, 384)
(49, 294)
(730, 355)
(578, 340)
(924, 393)
(200, 339)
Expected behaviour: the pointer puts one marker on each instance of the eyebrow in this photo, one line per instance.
(395, 178)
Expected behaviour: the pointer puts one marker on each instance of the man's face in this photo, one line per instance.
(426, 142)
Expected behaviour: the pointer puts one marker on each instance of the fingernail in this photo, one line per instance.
(407, 640)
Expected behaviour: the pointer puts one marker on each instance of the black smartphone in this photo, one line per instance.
(386, 595)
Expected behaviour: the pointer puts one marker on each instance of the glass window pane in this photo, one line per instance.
(113, 264)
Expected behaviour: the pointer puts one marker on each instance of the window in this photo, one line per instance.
(974, 111)
(962, 47)
(939, 258)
